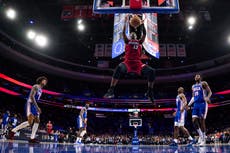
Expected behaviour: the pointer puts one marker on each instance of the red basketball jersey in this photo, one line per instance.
(135, 4)
(133, 50)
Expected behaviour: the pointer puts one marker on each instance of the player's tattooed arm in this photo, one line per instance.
(143, 35)
(184, 100)
(32, 97)
(209, 91)
(192, 99)
(81, 113)
(124, 29)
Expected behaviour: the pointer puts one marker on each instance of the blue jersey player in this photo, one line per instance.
(82, 124)
(14, 121)
(201, 94)
(32, 110)
(179, 119)
(5, 121)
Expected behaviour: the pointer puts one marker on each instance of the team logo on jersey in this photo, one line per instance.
(197, 88)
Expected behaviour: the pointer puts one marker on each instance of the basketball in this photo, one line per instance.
(135, 21)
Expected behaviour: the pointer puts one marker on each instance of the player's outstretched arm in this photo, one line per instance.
(32, 97)
(124, 29)
(81, 113)
(192, 99)
(191, 102)
(184, 100)
(143, 35)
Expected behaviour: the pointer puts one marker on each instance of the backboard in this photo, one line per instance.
(113, 6)
(135, 122)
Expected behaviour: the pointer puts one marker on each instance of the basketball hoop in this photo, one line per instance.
(135, 122)
(136, 6)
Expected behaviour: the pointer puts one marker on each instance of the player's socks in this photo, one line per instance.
(77, 140)
(199, 140)
(21, 126)
(174, 143)
(34, 130)
(204, 135)
(191, 141)
(200, 132)
(190, 138)
(203, 142)
(175, 140)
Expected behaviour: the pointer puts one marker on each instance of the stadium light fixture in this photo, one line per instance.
(228, 39)
(41, 40)
(191, 20)
(11, 14)
(31, 34)
(81, 27)
(79, 21)
(190, 27)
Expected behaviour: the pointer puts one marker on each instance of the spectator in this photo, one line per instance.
(14, 121)
(5, 121)
(49, 129)
(1, 118)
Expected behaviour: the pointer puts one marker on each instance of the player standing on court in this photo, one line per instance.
(201, 97)
(82, 124)
(180, 115)
(32, 110)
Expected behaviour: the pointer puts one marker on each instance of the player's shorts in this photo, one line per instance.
(179, 119)
(80, 122)
(5, 123)
(200, 110)
(134, 66)
(31, 109)
(49, 131)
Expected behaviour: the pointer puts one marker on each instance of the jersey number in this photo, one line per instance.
(135, 46)
(196, 93)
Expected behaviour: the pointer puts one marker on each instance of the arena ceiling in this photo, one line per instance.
(207, 40)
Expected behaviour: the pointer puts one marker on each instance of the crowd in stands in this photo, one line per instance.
(51, 133)
(218, 137)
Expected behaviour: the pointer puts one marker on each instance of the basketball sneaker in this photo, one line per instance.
(191, 142)
(199, 140)
(173, 144)
(203, 142)
(10, 135)
(109, 94)
(34, 141)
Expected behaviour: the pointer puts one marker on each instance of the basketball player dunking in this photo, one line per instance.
(32, 110)
(201, 97)
(133, 64)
